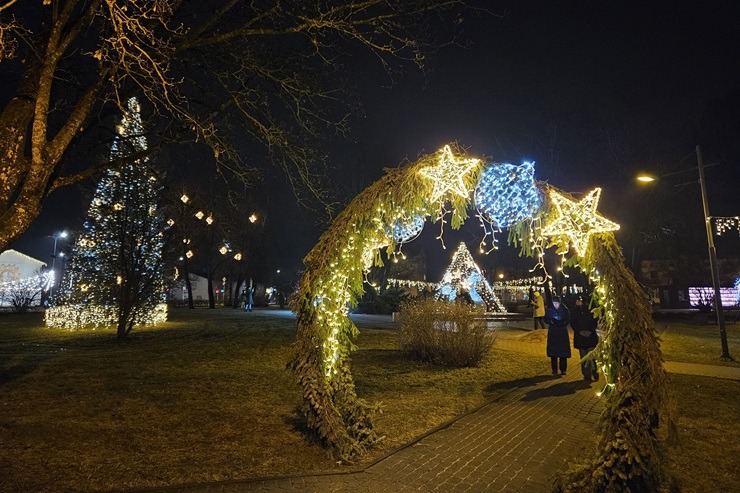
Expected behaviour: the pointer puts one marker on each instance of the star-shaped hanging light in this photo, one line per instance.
(577, 220)
(447, 175)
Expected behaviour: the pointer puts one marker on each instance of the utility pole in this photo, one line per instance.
(713, 259)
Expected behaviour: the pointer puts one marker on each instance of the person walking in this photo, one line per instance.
(538, 312)
(585, 337)
(557, 317)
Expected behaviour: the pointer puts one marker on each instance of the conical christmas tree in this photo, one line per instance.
(115, 275)
(464, 275)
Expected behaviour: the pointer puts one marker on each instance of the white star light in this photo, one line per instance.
(448, 173)
(577, 220)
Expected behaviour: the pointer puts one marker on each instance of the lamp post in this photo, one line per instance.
(56, 237)
(712, 250)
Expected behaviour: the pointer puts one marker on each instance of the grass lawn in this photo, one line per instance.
(705, 458)
(696, 342)
(206, 397)
(203, 397)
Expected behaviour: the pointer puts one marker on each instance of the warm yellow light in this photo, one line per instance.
(501, 275)
(209, 219)
(184, 199)
(223, 250)
(447, 175)
(577, 221)
(253, 218)
(644, 178)
(170, 222)
(199, 214)
(238, 256)
(189, 253)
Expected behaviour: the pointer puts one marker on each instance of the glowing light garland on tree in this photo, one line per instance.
(114, 273)
(628, 353)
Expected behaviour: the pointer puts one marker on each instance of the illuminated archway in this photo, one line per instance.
(439, 186)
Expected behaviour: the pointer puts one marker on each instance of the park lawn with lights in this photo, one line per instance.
(204, 397)
(694, 342)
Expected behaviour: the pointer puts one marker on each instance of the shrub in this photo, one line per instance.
(384, 303)
(449, 334)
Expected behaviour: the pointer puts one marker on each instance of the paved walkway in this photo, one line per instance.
(515, 443)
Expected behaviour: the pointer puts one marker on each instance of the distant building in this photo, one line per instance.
(685, 282)
(21, 273)
(199, 284)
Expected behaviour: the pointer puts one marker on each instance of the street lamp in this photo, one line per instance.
(56, 237)
(646, 178)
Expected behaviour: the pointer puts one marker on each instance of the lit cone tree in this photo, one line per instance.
(115, 275)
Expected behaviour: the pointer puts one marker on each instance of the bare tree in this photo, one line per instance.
(209, 70)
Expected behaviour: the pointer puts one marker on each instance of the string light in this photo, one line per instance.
(576, 221)
(464, 274)
(185, 199)
(403, 232)
(505, 195)
(724, 224)
(122, 223)
(238, 256)
(31, 287)
(199, 215)
(448, 174)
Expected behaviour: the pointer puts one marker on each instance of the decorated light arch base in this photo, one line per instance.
(439, 186)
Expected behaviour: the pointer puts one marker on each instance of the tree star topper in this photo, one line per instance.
(577, 220)
(448, 173)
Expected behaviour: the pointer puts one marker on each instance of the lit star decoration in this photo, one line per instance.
(449, 173)
(576, 221)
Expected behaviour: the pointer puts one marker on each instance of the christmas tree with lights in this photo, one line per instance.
(464, 276)
(114, 277)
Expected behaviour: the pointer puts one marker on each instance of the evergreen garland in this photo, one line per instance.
(333, 281)
(628, 354)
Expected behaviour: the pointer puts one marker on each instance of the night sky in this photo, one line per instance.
(593, 91)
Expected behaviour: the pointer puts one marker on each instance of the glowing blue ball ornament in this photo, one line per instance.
(405, 231)
(507, 194)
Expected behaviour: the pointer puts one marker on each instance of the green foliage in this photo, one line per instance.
(386, 302)
(636, 394)
(449, 334)
(331, 284)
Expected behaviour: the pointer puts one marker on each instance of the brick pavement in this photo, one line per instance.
(514, 443)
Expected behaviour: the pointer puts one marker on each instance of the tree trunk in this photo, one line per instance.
(211, 299)
(237, 292)
(188, 285)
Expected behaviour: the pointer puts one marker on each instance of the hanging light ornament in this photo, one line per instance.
(576, 221)
(448, 174)
(405, 231)
(507, 194)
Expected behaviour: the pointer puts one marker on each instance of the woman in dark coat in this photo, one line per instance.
(585, 337)
(558, 342)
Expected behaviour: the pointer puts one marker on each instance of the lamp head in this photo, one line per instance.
(645, 178)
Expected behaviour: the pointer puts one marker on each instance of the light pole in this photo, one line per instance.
(712, 250)
(56, 237)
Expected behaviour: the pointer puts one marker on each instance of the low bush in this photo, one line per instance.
(449, 334)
